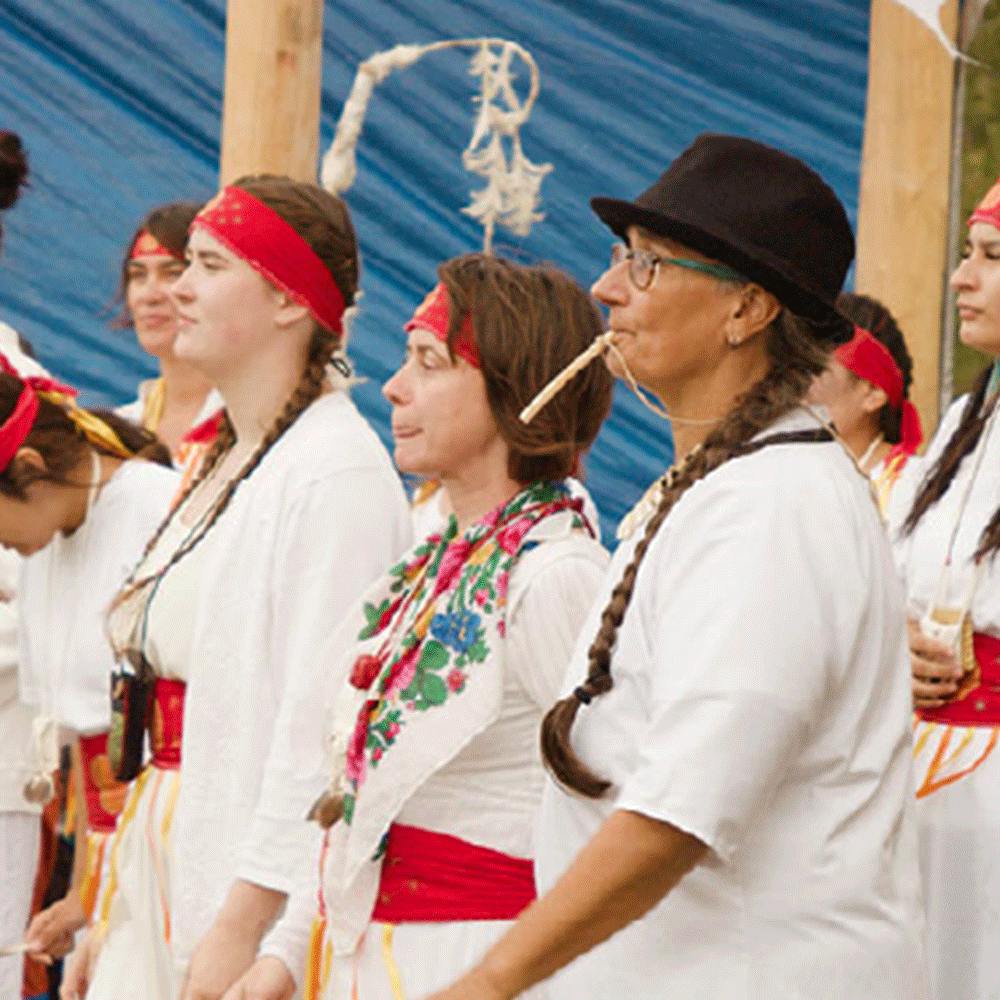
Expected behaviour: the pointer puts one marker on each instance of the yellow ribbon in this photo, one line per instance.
(90, 425)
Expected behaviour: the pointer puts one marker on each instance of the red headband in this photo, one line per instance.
(871, 360)
(988, 210)
(15, 429)
(434, 315)
(147, 245)
(272, 247)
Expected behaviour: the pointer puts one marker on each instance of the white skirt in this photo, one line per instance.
(958, 814)
(20, 834)
(134, 909)
(408, 961)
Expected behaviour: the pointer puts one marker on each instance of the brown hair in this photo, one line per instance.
(13, 170)
(169, 224)
(938, 478)
(796, 358)
(529, 322)
(322, 220)
(61, 443)
(871, 315)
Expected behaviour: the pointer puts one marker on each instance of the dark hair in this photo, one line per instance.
(13, 170)
(323, 221)
(169, 224)
(796, 358)
(529, 322)
(62, 444)
(938, 478)
(871, 315)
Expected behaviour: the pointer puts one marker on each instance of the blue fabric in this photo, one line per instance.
(119, 105)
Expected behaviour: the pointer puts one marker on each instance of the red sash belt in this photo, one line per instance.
(167, 725)
(981, 706)
(433, 877)
(105, 796)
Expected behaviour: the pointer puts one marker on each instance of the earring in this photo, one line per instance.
(733, 341)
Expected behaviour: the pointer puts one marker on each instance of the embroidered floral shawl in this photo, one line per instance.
(427, 675)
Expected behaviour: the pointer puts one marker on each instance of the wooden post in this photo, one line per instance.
(270, 118)
(905, 183)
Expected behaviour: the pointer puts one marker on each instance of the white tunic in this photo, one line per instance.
(65, 591)
(760, 703)
(320, 517)
(487, 794)
(958, 791)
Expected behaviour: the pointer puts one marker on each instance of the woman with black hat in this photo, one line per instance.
(732, 759)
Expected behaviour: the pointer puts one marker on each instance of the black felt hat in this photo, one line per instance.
(760, 211)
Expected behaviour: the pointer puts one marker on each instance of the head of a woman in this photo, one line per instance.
(13, 170)
(976, 282)
(47, 457)
(860, 378)
(733, 263)
(153, 261)
(482, 344)
(273, 263)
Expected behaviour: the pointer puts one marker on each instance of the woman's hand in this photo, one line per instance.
(222, 956)
(267, 979)
(935, 671)
(50, 934)
(79, 969)
(472, 986)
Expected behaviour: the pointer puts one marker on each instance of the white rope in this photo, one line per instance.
(513, 183)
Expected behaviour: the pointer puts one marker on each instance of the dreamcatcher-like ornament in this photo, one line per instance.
(512, 195)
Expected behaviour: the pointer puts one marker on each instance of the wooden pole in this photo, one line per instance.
(270, 118)
(905, 182)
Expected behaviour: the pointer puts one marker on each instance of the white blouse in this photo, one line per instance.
(488, 794)
(65, 591)
(761, 703)
(302, 537)
(921, 555)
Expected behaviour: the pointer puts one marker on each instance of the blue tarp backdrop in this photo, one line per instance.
(119, 105)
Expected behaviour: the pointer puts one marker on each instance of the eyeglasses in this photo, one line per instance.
(642, 266)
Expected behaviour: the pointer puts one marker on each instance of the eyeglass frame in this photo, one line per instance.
(622, 253)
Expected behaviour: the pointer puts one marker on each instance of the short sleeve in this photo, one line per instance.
(738, 631)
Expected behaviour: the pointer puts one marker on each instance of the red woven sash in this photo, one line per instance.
(105, 796)
(432, 877)
(981, 706)
(167, 725)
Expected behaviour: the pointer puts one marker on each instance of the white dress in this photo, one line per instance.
(486, 795)
(760, 703)
(241, 620)
(19, 819)
(957, 769)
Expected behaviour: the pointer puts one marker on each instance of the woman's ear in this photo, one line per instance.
(874, 398)
(30, 460)
(753, 310)
(289, 312)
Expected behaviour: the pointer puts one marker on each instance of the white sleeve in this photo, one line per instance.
(738, 634)
(551, 590)
(335, 538)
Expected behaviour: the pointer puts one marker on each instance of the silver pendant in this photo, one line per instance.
(39, 789)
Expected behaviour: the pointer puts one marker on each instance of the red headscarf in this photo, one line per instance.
(273, 248)
(15, 429)
(147, 245)
(988, 210)
(870, 359)
(434, 315)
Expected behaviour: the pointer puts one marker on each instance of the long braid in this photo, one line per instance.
(310, 387)
(962, 442)
(797, 359)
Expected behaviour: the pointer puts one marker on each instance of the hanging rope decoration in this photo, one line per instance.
(512, 194)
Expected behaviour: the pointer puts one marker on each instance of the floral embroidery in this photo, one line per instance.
(443, 602)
